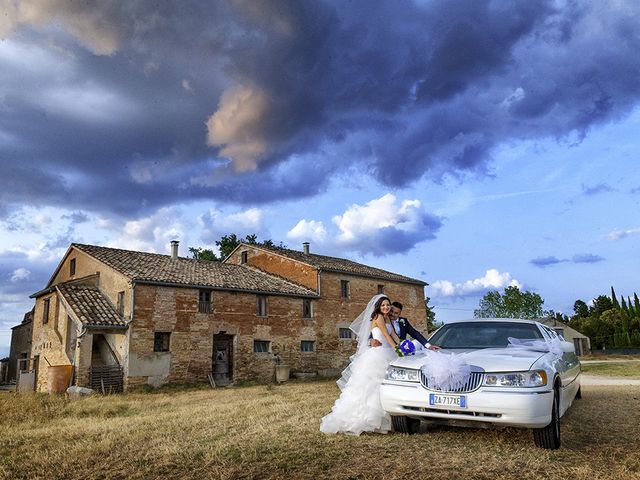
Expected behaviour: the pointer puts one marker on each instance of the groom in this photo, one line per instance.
(403, 328)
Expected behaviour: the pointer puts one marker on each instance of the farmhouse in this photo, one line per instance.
(120, 318)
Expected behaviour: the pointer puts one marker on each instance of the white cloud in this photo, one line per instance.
(154, 233)
(20, 274)
(311, 230)
(216, 223)
(492, 280)
(236, 126)
(620, 234)
(384, 226)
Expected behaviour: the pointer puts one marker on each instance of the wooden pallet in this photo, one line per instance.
(106, 378)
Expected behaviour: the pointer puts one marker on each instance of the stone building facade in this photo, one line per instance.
(165, 318)
(20, 348)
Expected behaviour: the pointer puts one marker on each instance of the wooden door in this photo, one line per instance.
(222, 360)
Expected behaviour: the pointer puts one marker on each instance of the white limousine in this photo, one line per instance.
(519, 373)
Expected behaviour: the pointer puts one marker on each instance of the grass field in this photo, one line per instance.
(270, 432)
(626, 369)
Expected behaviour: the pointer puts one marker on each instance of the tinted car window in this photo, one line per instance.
(483, 334)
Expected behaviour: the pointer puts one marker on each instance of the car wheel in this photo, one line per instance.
(405, 424)
(549, 436)
(579, 392)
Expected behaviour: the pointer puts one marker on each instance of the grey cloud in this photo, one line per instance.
(597, 189)
(543, 262)
(401, 93)
(587, 258)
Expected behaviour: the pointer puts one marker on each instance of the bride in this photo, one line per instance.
(358, 409)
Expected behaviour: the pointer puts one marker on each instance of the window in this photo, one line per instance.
(244, 256)
(72, 267)
(261, 346)
(121, 303)
(380, 289)
(45, 312)
(262, 306)
(344, 288)
(345, 333)
(307, 346)
(204, 301)
(306, 308)
(161, 341)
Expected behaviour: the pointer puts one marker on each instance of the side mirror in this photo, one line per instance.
(568, 347)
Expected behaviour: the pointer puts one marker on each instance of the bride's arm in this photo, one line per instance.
(379, 322)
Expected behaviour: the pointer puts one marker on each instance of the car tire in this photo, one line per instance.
(405, 424)
(549, 436)
(579, 392)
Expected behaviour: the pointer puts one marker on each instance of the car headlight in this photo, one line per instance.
(402, 374)
(533, 378)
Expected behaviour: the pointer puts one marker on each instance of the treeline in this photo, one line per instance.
(609, 323)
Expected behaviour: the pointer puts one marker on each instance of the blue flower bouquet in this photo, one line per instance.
(405, 348)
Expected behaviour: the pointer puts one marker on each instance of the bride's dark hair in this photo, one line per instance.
(376, 307)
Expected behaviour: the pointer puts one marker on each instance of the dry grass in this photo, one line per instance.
(628, 369)
(270, 432)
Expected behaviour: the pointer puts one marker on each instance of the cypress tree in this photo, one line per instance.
(630, 308)
(614, 300)
(623, 305)
(636, 304)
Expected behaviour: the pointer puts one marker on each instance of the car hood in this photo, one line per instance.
(489, 359)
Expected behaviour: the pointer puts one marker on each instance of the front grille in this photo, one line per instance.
(473, 383)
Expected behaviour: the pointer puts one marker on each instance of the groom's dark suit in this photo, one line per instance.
(404, 328)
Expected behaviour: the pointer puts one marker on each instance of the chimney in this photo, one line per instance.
(174, 249)
(305, 248)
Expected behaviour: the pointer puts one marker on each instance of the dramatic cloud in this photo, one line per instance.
(620, 234)
(492, 280)
(543, 262)
(310, 231)
(382, 226)
(127, 107)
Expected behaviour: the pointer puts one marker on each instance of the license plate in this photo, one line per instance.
(448, 400)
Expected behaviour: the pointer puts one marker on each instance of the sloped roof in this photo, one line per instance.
(90, 306)
(339, 265)
(145, 267)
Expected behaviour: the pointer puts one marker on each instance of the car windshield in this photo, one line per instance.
(483, 334)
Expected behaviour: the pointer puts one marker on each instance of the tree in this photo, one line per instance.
(512, 304)
(431, 315)
(227, 244)
(614, 299)
(580, 309)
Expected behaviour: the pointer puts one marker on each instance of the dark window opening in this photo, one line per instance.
(121, 303)
(306, 308)
(345, 333)
(45, 312)
(307, 346)
(380, 289)
(262, 306)
(344, 288)
(161, 341)
(244, 256)
(204, 301)
(72, 267)
(261, 346)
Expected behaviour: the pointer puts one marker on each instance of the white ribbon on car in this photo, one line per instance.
(553, 346)
(445, 371)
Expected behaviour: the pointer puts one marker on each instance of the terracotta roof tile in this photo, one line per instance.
(91, 307)
(155, 268)
(340, 265)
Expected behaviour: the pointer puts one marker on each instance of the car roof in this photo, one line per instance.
(477, 320)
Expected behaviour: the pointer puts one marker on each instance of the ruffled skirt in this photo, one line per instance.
(358, 409)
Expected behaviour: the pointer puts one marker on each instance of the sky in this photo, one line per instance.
(470, 144)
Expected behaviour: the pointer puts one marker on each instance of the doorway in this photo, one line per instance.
(222, 359)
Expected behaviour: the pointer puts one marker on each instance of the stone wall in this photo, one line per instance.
(20, 347)
(282, 266)
(175, 310)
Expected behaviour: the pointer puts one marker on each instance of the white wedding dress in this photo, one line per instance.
(358, 409)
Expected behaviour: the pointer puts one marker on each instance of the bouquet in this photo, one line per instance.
(405, 348)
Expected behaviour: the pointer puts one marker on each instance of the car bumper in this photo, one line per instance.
(486, 405)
